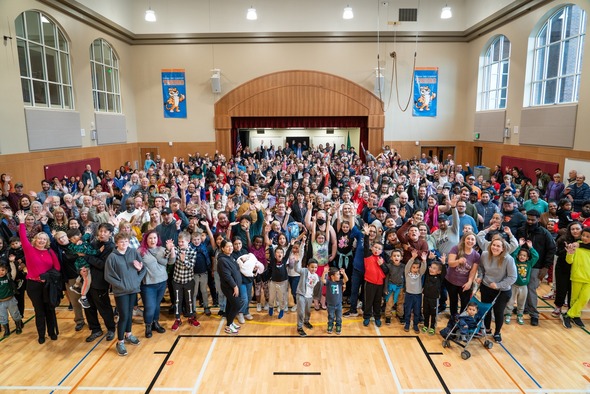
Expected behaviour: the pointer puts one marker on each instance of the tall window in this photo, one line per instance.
(44, 59)
(104, 67)
(496, 63)
(558, 57)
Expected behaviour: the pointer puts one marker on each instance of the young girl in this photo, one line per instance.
(256, 247)
(295, 256)
(525, 259)
(279, 280)
(578, 255)
(321, 254)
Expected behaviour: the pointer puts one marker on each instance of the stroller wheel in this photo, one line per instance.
(465, 354)
(488, 344)
(445, 343)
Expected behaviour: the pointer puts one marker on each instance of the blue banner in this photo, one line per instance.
(174, 91)
(425, 91)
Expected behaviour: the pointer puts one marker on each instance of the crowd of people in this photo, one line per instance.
(314, 227)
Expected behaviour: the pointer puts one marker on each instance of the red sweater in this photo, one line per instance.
(38, 261)
(373, 272)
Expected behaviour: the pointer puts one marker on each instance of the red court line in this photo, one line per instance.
(505, 370)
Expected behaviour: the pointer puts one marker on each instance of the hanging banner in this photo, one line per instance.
(425, 91)
(174, 91)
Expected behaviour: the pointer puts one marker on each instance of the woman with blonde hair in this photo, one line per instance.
(497, 272)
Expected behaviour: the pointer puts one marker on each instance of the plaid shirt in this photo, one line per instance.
(183, 270)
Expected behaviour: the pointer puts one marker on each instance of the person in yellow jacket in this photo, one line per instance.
(578, 255)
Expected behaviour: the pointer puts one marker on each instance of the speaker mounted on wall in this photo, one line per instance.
(216, 81)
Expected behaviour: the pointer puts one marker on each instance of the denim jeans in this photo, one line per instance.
(355, 290)
(246, 296)
(335, 312)
(152, 297)
(293, 283)
(222, 300)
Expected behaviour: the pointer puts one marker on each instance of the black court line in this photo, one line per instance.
(157, 375)
(296, 373)
(161, 352)
(440, 378)
(294, 336)
(436, 353)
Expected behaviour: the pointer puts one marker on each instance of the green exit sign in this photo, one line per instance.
(476, 136)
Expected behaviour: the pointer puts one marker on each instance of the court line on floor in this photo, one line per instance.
(206, 361)
(504, 369)
(163, 364)
(396, 380)
(520, 365)
(433, 366)
(92, 366)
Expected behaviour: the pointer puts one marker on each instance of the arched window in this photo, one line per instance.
(44, 59)
(557, 57)
(494, 74)
(104, 67)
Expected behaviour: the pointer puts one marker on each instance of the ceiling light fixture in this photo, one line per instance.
(446, 12)
(347, 14)
(251, 15)
(150, 15)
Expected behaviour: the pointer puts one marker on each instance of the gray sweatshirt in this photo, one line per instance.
(503, 275)
(121, 274)
(155, 262)
(414, 281)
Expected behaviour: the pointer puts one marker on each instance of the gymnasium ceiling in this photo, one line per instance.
(224, 21)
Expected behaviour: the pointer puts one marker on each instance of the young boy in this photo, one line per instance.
(525, 259)
(395, 285)
(414, 271)
(467, 320)
(8, 302)
(16, 256)
(305, 290)
(80, 244)
(279, 280)
(432, 290)
(334, 280)
(375, 273)
(183, 282)
(200, 269)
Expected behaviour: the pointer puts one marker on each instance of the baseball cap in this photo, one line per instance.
(443, 218)
(166, 211)
(509, 199)
(18, 184)
(447, 186)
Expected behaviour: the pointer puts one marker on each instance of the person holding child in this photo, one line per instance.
(79, 244)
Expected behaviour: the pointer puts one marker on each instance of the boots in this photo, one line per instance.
(148, 330)
(159, 329)
(19, 327)
(6, 330)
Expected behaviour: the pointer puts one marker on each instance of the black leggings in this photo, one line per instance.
(487, 296)
(125, 308)
(45, 318)
(457, 294)
(232, 307)
(563, 283)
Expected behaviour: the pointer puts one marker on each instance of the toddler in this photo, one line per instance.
(334, 281)
(79, 244)
(468, 320)
(8, 302)
(525, 259)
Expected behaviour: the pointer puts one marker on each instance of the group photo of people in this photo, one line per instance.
(285, 229)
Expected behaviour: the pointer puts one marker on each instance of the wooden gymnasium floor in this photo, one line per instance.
(268, 357)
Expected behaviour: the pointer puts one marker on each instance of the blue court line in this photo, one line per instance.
(79, 362)
(520, 365)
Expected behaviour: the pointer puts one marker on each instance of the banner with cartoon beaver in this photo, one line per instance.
(425, 91)
(174, 92)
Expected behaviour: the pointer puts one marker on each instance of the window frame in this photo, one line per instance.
(106, 91)
(489, 65)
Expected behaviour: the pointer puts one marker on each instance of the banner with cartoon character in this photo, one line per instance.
(425, 91)
(174, 91)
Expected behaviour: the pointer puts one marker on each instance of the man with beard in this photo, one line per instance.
(512, 217)
(545, 245)
(585, 214)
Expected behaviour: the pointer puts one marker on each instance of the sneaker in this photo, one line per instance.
(207, 312)
(110, 336)
(84, 302)
(137, 312)
(431, 331)
(351, 313)
(230, 330)
(270, 311)
(534, 321)
(132, 339)
(177, 323)
(93, 336)
(507, 318)
(249, 317)
(121, 349)
(578, 322)
(258, 308)
(416, 330)
(387, 321)
(241, 319)
(266, 307)
(281, 313)
(330, 328)
(308, 325)
(424, 329)
(378, 322)
(407, 328)
(76, 289)
(79, 326)
(338, 330)
(498, 338)
(366, 322)
(294, 308)
(301, 332)
(519, 319)
(192, 321)
(463, 338)
(566, 320)
(556, 312)
(549, 296)
(235, 326)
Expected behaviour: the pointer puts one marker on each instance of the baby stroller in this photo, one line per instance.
(452, 332)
